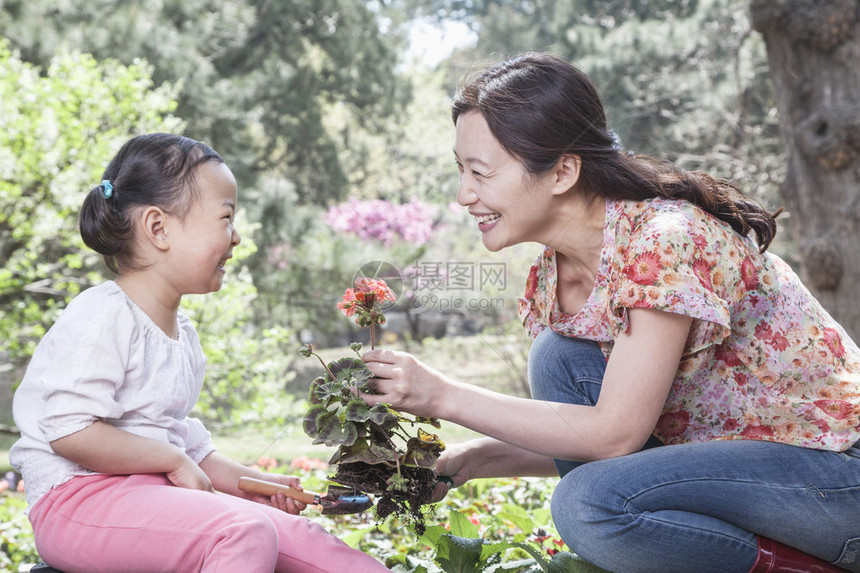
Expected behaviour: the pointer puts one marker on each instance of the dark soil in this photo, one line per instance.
(373, 478)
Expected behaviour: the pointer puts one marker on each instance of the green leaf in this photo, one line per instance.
(462, 527)
(350, 372)
(432, 534)
(517, 515)
(356, 535)
(357, 411)
(535, 552)
(493, 551)
(459, 554)
(315, 418)
(566, 562)
(381, 415)
(383, 452)
(325, 427)
(361, 451)
(518, 565)
(317, 394)
(421, 453)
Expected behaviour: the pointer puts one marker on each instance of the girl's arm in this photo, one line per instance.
(225, 474)
(637, 381)
(109, 450)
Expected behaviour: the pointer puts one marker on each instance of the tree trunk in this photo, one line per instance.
(813, 49)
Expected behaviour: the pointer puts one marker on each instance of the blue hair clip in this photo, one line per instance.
(616, 141)
(107, 188)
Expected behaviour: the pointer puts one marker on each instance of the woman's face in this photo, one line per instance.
(509, 206)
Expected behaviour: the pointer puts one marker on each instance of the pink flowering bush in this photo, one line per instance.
(383, 221)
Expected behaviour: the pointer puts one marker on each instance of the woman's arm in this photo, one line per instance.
(488, 458)
(637, 381)
(109, 450)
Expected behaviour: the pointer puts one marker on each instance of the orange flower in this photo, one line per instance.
(365, 300)
(375, 287)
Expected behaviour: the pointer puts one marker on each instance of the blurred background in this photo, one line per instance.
(334, 117)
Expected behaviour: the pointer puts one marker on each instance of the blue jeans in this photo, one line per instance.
(692, 507)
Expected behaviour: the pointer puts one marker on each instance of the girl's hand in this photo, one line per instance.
(279, 500)
(190, 476)
(405, 383)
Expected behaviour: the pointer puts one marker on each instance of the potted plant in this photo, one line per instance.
(379, 451)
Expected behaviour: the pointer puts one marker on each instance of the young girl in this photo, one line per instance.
(118, 477)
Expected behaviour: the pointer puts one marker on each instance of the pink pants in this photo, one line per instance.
(144, 523)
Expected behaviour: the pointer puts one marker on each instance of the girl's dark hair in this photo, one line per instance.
(154, 169)
(540, 107)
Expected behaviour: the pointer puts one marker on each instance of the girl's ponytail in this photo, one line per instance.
(102, 226)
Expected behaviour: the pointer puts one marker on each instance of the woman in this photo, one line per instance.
(659, 320)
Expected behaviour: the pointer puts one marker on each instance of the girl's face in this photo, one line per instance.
(509, 206)
(204, 238)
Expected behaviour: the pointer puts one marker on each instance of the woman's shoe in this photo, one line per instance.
(774, 557)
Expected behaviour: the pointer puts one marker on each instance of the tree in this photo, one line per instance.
(256, 78)
(686, 80)
(58, 128)
(813, 48)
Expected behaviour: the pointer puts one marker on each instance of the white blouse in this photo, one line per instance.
(105, 360)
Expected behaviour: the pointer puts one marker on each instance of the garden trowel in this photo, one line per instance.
(337, 500)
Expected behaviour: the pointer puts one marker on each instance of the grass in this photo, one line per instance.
(284, 444)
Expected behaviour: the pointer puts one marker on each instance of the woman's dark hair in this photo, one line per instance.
(154, 169)
(540, 107)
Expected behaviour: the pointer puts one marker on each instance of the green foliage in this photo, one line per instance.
(488, 525)
(686, 80)
(16, 535)
(258, 78)
(60, 126)
(336, 416)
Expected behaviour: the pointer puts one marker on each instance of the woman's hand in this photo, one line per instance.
(405, 383)
(452, 469)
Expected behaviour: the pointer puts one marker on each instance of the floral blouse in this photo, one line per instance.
(763, 359)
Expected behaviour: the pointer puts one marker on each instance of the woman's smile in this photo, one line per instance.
(486, 221)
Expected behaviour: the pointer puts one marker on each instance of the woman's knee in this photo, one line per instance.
(584, 510)
(564, 369)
